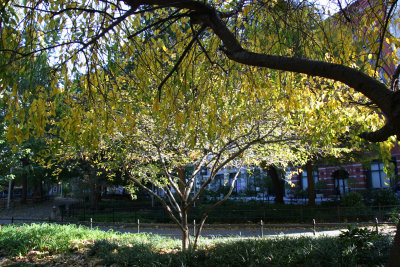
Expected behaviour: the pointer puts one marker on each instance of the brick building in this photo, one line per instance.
(353, 176)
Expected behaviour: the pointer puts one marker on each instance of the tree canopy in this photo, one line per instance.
(293, 36)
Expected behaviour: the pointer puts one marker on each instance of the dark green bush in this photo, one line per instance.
(363, 246)
(352, 199)
(302, 251)
(384, 197)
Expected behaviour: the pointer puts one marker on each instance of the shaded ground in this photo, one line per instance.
(35, 210)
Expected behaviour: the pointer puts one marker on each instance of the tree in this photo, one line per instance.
(237, 31)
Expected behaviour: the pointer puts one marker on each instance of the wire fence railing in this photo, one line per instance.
(268, 213)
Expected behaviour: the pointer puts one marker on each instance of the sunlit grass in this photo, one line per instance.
(128, 249)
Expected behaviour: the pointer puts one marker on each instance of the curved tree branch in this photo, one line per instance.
(207, 15)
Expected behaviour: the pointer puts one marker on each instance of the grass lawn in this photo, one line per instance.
(51, 244)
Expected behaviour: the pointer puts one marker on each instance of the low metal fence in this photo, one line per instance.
(267, 213)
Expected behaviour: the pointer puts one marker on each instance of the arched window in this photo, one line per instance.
(340, 177)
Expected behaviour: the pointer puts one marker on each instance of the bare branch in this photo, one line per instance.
(170, 212)
(383, 32)
(178, 62)
(190, 182)
(160, 21)
(207, 212)
(111, 26)
(59, 12)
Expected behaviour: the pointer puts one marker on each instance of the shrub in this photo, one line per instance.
(352, 199)
(362, 245)
(384, 197)
(395, 216)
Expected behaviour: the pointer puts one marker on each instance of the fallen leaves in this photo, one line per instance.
(35, 257)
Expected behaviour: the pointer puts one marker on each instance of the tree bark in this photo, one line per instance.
(185, 231)
(184, 208)
(12, 190)
(38, 190)
(393, 260)
(278, 187)
(25, 163)
(95, 192)
(311, 184)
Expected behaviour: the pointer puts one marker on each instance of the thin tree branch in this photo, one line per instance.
(383, 32)
(187, 49)
(207, 212)
(170, 212)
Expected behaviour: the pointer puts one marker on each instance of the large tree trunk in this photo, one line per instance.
(95, 192)
(12, 190)
(185, 210)
(278, 187)
(311, 184)
(38, 190)
(394, 258)
(25, 163)
(185, 231)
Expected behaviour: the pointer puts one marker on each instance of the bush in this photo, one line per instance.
(395, 216)
(362, 245)
(384, 197)
(352, 199)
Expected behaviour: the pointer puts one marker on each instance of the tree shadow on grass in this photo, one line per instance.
(121, 253)
(303, 251)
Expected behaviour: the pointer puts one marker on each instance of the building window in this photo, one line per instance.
(378, 176)
(340, 178)
(304, 180)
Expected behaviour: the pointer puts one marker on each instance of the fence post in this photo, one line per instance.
(262, 228)
(138, 226)
(194, 227)
(113, 215)
(91, 223)
(376, 221)
(314, 226)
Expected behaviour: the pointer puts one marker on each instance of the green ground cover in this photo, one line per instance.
(70, 244)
